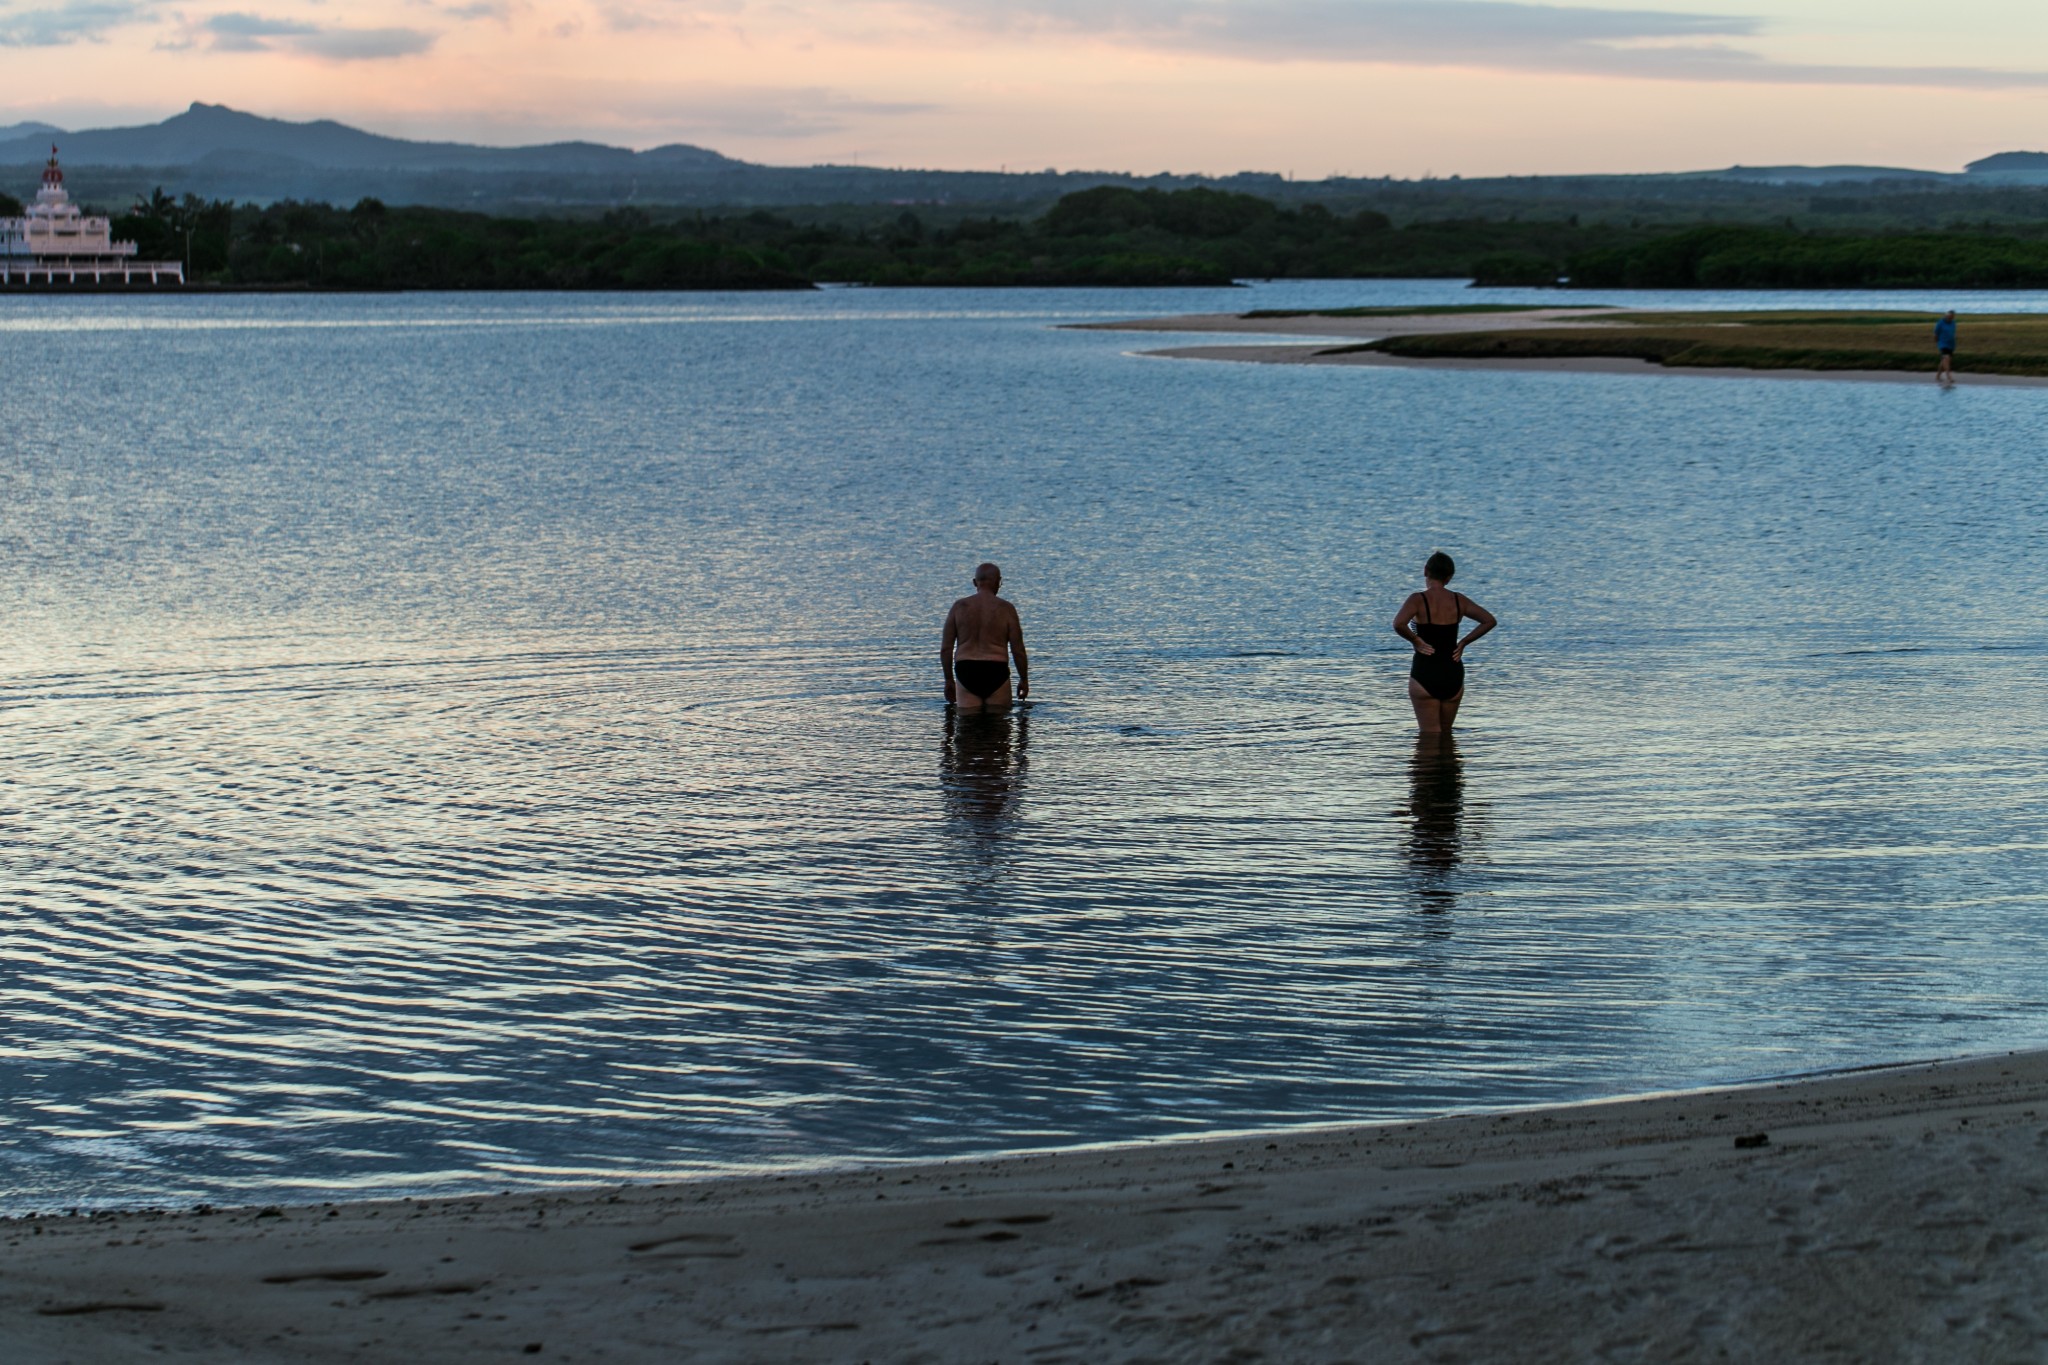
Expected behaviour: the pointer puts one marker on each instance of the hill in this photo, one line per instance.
(215, 133)
(221, 153)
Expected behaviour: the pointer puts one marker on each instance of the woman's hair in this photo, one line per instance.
(1440, 567)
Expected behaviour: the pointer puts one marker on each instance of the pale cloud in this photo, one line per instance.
(769, 112)
(696, 19)
(365, 44)
(241, 32)
(57, 25)
(632, 19)
(249, 32)
(1671, 45)
(1288, 30)
(1498, 34)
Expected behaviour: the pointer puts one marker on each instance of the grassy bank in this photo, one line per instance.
(2012, 343)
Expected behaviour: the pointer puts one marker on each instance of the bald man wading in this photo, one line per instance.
(982, 635)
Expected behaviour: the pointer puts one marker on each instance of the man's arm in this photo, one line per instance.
(1017, 653)
(947, 639)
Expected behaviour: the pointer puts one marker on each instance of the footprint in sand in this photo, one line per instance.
(72, 1310)
(704, 1245)
(420, 1291)
(999, 1235)
(345, 1276)
(1121, 1288)
(1014, 1220)
(1197, 1208)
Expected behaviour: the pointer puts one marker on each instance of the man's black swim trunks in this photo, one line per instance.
(983, 677)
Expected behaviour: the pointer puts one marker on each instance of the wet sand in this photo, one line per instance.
(1897, 1214)
(1355, 329)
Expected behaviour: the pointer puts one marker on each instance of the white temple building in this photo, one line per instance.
(55, 243)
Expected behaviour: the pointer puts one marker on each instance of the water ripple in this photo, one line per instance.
(516, 757)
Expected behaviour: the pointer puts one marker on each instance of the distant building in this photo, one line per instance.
(55, 243)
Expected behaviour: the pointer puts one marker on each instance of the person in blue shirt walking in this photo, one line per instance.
(1945, 342)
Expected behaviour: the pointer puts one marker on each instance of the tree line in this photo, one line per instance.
(1103, 236)
(1766, 258)
(1108, 235)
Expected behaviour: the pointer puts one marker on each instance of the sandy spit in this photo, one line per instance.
(1372, 329)
(1886, 1215)
(1318, 355)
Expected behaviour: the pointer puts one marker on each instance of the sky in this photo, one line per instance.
(1308, 87)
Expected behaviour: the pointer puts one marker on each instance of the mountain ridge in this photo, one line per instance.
(214, 129)
(219, 152)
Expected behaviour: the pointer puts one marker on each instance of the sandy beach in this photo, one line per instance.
(1882, 1215)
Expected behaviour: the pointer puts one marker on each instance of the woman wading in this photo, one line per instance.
(1429, 621)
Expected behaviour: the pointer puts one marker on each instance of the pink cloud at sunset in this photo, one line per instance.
(1362, 87)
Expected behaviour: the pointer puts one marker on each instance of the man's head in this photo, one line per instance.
(1950, 315)
(988, 576)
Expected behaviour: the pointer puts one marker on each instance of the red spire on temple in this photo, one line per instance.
(51, 174)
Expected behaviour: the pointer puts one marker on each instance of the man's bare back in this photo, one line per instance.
(983, 633)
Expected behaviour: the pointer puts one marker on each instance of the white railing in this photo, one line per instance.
(39, 245)
(18, 271)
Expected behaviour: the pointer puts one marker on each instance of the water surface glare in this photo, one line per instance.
(464, 742)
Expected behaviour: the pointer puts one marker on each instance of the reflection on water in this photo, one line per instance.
(1436, 810)
(981, 767)
(982, 763)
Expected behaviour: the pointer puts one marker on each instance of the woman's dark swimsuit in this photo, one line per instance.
(983, 677)
(1440, 675)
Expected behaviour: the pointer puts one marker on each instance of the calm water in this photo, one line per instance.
(462, 742)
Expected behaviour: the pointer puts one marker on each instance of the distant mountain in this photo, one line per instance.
(2009, 161)
(2021, 168)
(213, 132)
(222, 153)
(1824, 175)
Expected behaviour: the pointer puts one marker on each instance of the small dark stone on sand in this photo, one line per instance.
(1754, 1140)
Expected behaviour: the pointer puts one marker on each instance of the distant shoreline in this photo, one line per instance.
(1878, 1213)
